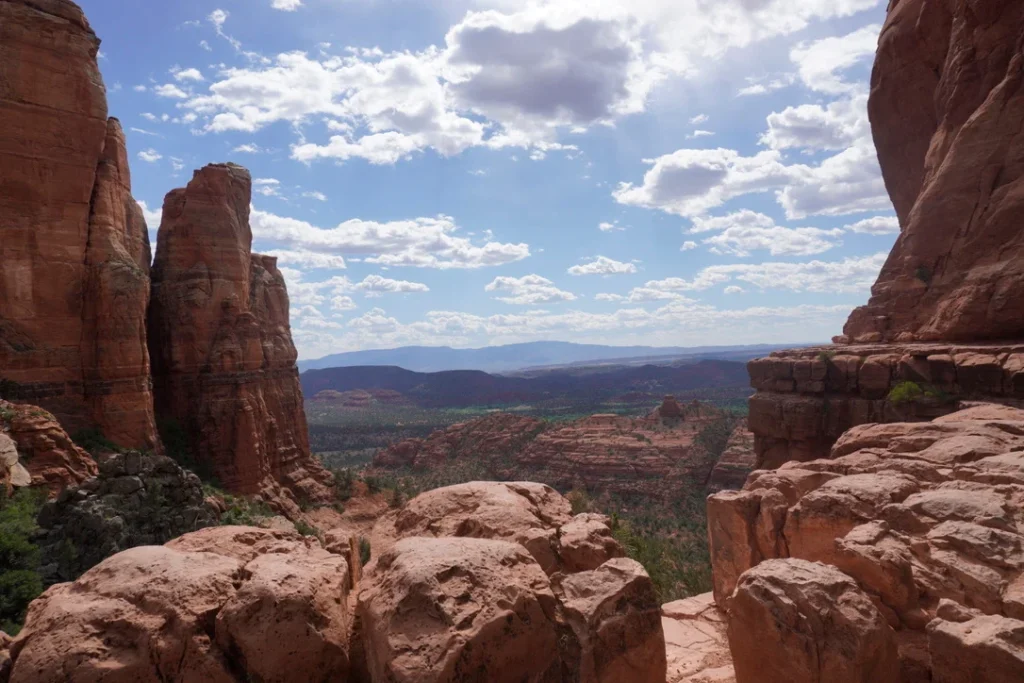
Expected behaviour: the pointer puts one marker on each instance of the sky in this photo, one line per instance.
(477, 172)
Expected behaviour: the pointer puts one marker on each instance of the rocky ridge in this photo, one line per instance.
(74, 286)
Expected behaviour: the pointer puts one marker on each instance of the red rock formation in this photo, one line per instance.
(492, 438)
(736, 462)
(947, 99)
(75, 252)
(218, 605)
(44, 448)
(696, 644)
(223, 357)
(925, 517)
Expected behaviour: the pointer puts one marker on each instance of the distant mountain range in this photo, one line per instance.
(460, 388)
(513, 357)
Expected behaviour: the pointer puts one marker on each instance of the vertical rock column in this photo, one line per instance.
(73, 251)
(223, 358)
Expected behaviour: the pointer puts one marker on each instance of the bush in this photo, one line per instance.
(93, 441)
(364, 550)
(243, 512)
(20, 582)
(912, 392)
(579, 500)
(307, 529)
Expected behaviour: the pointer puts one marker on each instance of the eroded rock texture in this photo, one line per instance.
(42, 450)
(74, 284)
(925, 517)
(497, 582)
(947, 101)
(223, 358)
(222, 605)
(736, 462)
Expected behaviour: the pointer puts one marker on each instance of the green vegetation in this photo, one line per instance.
(364, 550)
(307, 529)
(924, 274)
(912, 392)
(20, 582)
(826, 356)
(241, 511)
(94, 441)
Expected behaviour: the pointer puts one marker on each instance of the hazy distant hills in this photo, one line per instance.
(513, 357)
(459, 388)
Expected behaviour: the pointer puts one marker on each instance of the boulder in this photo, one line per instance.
(43, 453)
(614, 613)
(74, 285)
(586, 543)
(792, 621)
(218, 605)
(984, 649)
(459, 609)
(223, 358)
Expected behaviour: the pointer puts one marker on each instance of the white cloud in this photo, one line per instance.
(820, 63)
(170, 90)
(308, 259)
(153, 217)
(766, 84)
(528, 290)
(700, 134)
(143, 131)
(190, 74)
(139, 88)
(610, 227)
(375, 285)
(319, 196)
(849, 182)
(248, 148)
(602, 265)
(733, 289)
(343, 303)
(746, 231)
(838, 125)
(688, 182)
(420, 242)
(609, 297)
(286, 5)
(699, 119)
(150, 156)
(177, 164)
(878, 225)
(689, 245)
(218, 17)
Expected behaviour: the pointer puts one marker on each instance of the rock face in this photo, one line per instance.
(136, 500)
(653, 456)
(42, 449)
(925, 517)
(220, 605)
(497, 582)
(792, 621)
(946, 105)
(736, 462)
(696, 644)
(223, 358)
(74, 285)
(807, 398)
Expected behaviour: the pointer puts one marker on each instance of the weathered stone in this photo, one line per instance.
(42, 449)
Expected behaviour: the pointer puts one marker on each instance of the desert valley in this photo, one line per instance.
(179, 504)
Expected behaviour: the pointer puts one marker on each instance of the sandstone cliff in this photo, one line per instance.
(223, 358)
(947, 100)
(74, 284)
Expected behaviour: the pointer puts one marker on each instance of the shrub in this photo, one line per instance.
(307, 529)
(580, 500)
(93, 441)
(364, 550)
(912, 392)
(20, 582)
(243, 512)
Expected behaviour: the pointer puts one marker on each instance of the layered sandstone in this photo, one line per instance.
(652, 456)
(925, 517)
(223, 358)
(220, 605)
(947, 99)
(74, 284)
(807, 398)
(41, 449)
(737, 461)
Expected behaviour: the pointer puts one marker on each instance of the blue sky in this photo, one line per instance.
(474, 172)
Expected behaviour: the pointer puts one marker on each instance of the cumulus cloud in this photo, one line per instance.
(286, 5)
(528, 290)
(820, 63)
(375, 285)
(602, 265)
(733, 289)
(150, 155)
(837, 125)
(307, 259)
(420, 242)
(877, 225)
(191, 74)
(688, 245)
(152, 216)
(746, 231)
(343, 303)
(170, 90)
(610, 227)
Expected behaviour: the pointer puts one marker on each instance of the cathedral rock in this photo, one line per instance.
(223, 358)
(74, 281)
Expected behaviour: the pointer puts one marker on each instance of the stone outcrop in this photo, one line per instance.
(925, 517)
(792, 621)
(474, 582)
(74, 284)
(947, 99)
(135, 500)
(652, 456)
(737, 461)
(223, 358)
(42, 449)
(221, 605)
(807, 398)
(696, 643)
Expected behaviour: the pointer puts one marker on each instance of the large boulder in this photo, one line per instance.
(984, 649)
(223, 357)
(459, 609)
(219, 605)
(792, 621)
(75, 250)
